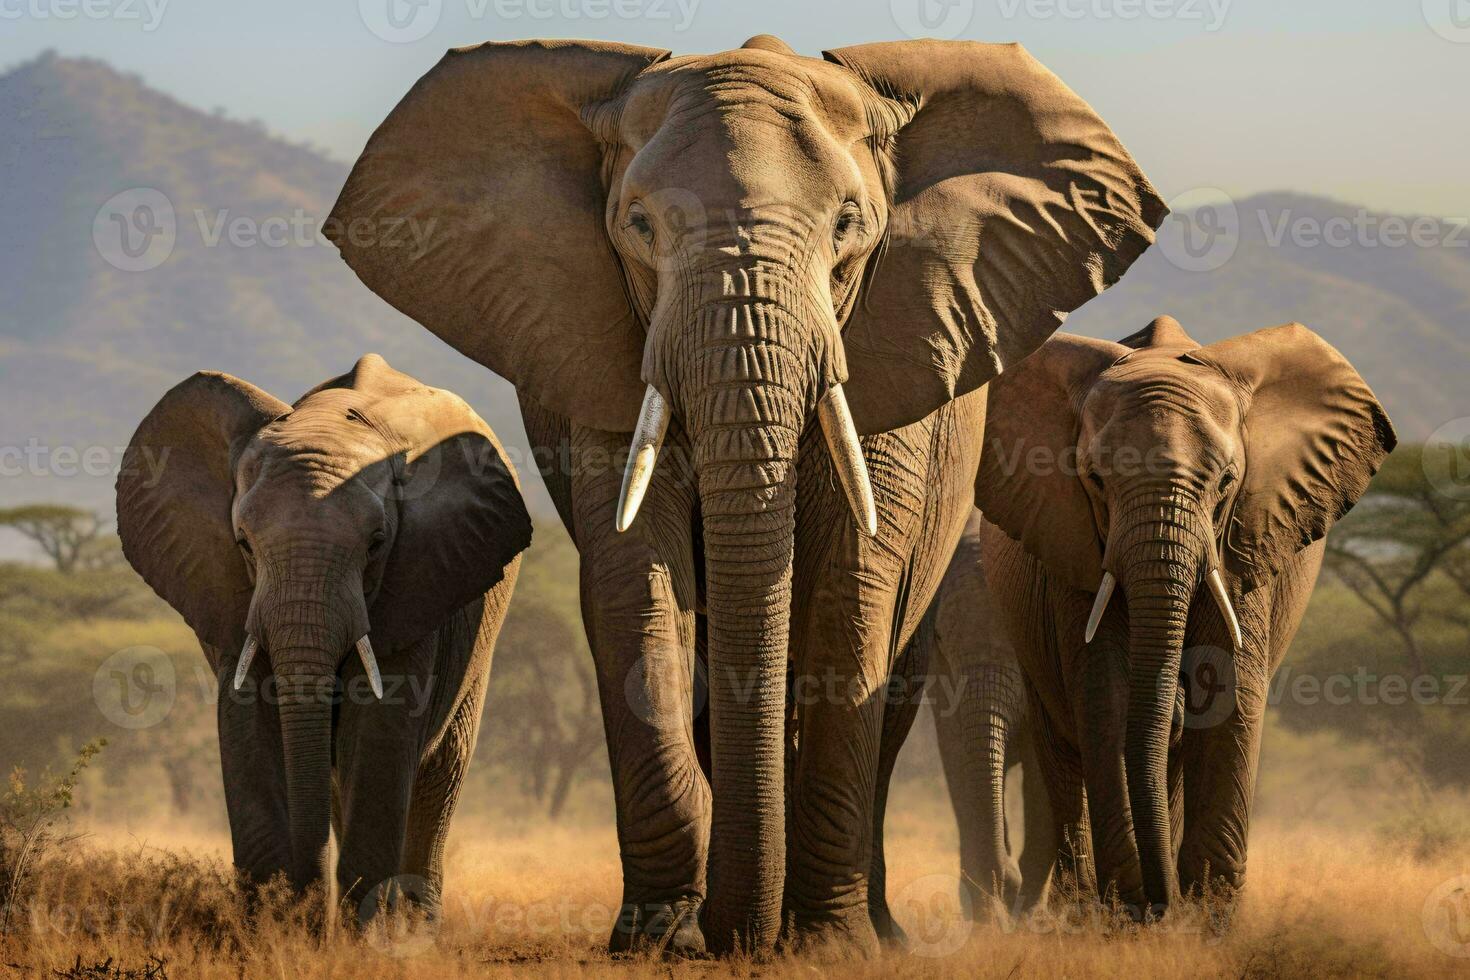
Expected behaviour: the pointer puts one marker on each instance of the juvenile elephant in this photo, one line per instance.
(1201, 480)
(375, 518)
(778, 274)
(982, 719)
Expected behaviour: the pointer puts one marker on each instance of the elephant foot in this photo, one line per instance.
(890, 933)
(670, 928)
(837, 936)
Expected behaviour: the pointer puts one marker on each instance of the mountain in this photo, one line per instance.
(209, 259)
(221, 268)
(1392, 292)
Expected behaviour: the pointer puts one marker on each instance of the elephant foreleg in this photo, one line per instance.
(252, 764)
(378, 749)
(638, 598)
(1039, 849)
(436, 792)
(1061, 768)
(905, 695)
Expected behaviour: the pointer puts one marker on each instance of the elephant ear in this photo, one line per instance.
(477, 209)
(174, 493)
(1028, 484)
(461, 519)
(1314, 436)
(1012, 205)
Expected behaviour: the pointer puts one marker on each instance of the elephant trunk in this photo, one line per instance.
(306, 694)
(307, 626)
(746, 366)
(993, 863)
(1160, 551)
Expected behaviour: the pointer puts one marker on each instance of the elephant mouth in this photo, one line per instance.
(363, 648)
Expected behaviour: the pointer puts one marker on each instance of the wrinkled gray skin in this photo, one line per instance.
(982, 719)
(1158, 461)
(735, 237)
(375, 506)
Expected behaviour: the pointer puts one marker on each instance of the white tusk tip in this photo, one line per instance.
(370, 665)
(247, 654)
(1099, 606)
(648, 435)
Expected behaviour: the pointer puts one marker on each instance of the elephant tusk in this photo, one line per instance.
(1222, 599)
(1100, 605)
(653, 422)
(247, 654)
(370, 664)
(847, 458)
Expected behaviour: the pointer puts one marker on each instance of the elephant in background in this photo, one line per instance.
(346, 563)
(983, 724)
(1201, 481)
(781, 280)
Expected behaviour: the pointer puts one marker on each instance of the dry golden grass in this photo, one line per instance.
(1352, 874)
(522, 901)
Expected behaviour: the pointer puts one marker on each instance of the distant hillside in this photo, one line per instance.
(87, 347)
(1399, 311)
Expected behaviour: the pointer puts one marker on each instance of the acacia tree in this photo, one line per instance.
(1412, 528)
(68, 535)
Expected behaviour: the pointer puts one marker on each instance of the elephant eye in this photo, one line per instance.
(1223, 496)
(244, 546)
(376, 544)
(638, 221)
(1096, 482)
(849, 220)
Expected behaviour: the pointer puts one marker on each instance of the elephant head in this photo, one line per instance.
(745, 241)
(1155, 464)
(355, 520)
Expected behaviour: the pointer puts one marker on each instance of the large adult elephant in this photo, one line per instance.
(346, 563)
(1202, 481)
(983, 722)
(779, 274)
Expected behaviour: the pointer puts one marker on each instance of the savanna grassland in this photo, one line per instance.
(528, 898)
(1359, 857)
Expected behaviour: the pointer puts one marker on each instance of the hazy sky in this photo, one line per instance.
(1363, 100)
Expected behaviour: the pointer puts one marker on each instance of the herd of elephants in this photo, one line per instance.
(820, 294)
